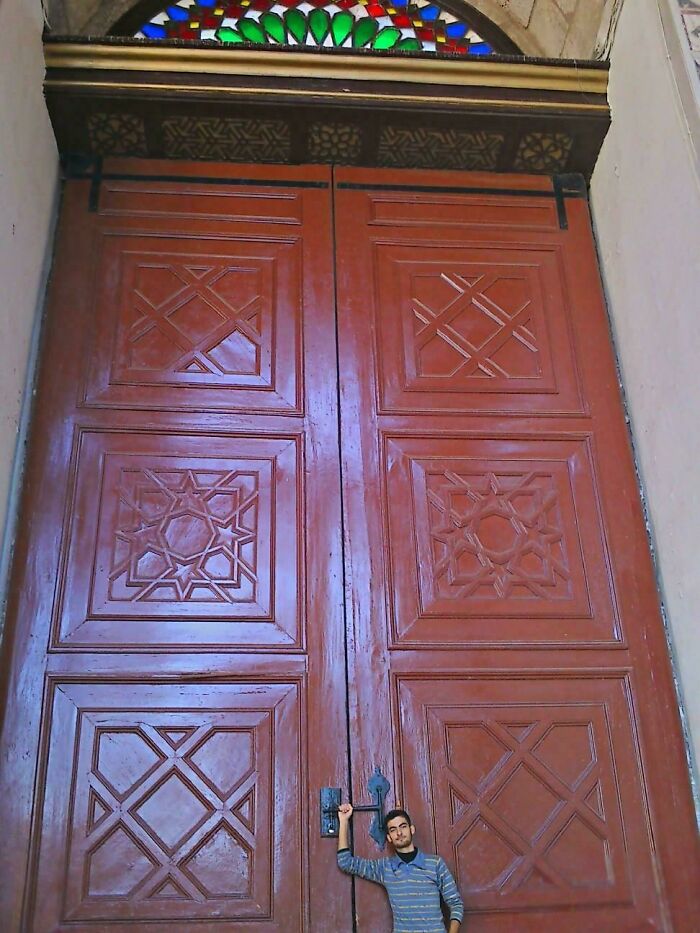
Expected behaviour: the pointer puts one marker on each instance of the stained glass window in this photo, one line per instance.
(418, 25)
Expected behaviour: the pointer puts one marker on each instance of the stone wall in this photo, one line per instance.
(542, 28)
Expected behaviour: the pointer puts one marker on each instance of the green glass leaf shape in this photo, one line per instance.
(319, 24)
(409, 44)
(251, 30)
(274, 27)
(296, 24)
(364, 31)
(386, 38)
(226, 34)
(341, 26)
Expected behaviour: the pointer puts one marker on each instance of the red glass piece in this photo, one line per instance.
(375, 10)
(210, 22)
(345, 4)
(234, 11)
(426, 34)
(260, 5)
(185, 33)
(402, 20)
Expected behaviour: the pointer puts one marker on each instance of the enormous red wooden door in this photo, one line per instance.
(507, 661)
(176, 689)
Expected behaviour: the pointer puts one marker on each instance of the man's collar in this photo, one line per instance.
(396, 862)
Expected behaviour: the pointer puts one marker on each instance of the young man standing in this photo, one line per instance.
(413, 880)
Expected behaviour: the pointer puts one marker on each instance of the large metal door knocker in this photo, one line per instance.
(332, 797)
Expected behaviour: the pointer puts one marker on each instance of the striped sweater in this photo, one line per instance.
(414, 888)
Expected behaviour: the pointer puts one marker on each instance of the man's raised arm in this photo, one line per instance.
(364, 867)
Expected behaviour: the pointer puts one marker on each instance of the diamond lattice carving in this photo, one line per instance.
(516, 821)
(496, 860)
(225, 759)
(118, 865)
(474, 753)
(150, 810)
(497, 536)
(172, 811)
(473, 327)
(194, 319)
(568, 752)
(124, 759)
(222, 865)
(185, 535)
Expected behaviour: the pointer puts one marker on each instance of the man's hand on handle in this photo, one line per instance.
(344, 814)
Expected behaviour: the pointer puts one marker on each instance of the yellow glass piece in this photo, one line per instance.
(417, 22)
(440, 38)
(194, 25)
(219, 10)
(390, 10)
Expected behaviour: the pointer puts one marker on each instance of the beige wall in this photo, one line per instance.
(646, 206)
(27, 193)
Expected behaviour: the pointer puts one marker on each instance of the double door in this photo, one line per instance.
(329, 472)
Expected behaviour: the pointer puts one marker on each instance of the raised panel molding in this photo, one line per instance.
(196, 325)
(496, 541)
(179, 533)
(169, 805)
(537, 802)
(481, 329)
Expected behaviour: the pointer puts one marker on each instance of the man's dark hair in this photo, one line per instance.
(392, 814)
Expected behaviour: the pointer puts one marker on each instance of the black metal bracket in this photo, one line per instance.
(331, 798)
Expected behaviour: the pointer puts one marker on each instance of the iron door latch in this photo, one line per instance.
(332, 797)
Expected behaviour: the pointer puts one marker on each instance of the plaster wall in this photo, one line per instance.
(646, 205)
(28, 184)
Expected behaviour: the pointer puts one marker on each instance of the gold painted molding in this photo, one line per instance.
(263, 63)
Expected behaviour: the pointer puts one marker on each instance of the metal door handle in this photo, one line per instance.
(332, 797)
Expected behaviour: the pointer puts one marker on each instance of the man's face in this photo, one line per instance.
(400, 833)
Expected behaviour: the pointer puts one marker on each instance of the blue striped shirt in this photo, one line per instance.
(414, 888)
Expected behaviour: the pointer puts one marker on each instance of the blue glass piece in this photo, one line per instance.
(399, 3)
(456, 30)
(206, 2)
(480, 48)
(429, 12)
(176, 12)
(151, 31)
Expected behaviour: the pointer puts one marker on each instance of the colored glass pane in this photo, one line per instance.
(407, 25)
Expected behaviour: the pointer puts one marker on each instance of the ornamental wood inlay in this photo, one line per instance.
(185, 535)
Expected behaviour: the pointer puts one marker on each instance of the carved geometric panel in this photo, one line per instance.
(225, 139)
(466, 328)
(534, 791)
(168, 804)
(496, 540)
(195, 325)
(421, 147)
(543, 152)
(117, 134)
(188, 536)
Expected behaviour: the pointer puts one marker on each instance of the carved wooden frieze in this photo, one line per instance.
(121, 99)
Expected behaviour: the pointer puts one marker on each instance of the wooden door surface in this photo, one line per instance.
(182, 672)
(507, 662)
(176, 610)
